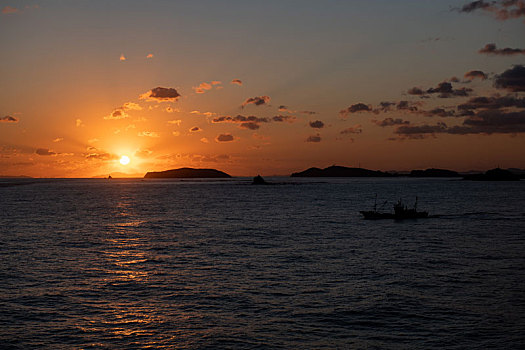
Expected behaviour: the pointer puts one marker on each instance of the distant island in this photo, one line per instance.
(434, 173)
(494, 175)
(183, 173)
(341, 171)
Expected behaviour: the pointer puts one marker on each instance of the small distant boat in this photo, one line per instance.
(401, 212)
(109, 177)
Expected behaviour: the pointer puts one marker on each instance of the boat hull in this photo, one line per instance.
(374, 215)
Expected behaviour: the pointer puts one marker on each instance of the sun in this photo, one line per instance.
(124, 160)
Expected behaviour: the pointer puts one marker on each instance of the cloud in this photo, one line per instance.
(445, 90)
(176, 133)
(8, 10)
(416, 91)
(314, 138)
(494, 102)
(150, 55)
(406, 106)
(79, 123)
(250, 122)
(512, 79)
(257, 100)
(195, 129)
(501, 9)
(390, 122)
(202, 88)
(143, 153)
(100, 155)
(122, 57)
(45, 152)
(118, 113)
(358, 107)
(438, 112)
(58, 139)
(224, 138)
(175, 122)
(308, 112)
(485, 122)
(473, 74)
(148, 134)
(204, 140)
(283, 108)
(490, 49)
(236, 81)
(9, 119)
(169, 109)
(356, 129)
(161, 94)
(316, 124)
(131, 106)
(283, 118)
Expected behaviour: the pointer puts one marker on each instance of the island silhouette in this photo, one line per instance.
(186, 173)
(341, 171)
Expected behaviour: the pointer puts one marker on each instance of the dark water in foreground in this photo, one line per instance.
(169, 264)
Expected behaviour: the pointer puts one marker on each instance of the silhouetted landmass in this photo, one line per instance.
(493, 175)
(434, 173)
(259, 180)
(341, 171)
(15, 177)
(186, 173)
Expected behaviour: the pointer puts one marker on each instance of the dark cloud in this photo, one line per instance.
(494, 102)
(358, 107)
(390, 122)
(384, 107)
(405, 105)
(195, 129)
(316, 124)
(438, 112)
(236, 81)
(251, 122)
(491, 49)
(473, 74)
(512, 79)
(445, 90)
(501, 9)
(9, 119)
(356, 129)
(283, 118)
(249, 125)
(415, 91)
(475, 5)
(257, 100)
(161, 94)
(224, 138)
(314, 138)
(485, 122)
(454, 80)
(45, 152)
(283, 108)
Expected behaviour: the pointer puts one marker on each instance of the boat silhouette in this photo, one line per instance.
(401, 212)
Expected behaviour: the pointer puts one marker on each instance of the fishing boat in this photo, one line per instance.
(401, 212)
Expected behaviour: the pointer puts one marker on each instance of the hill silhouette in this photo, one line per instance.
(434, 173)
(494, 175)
(341, 171)
(182, 173)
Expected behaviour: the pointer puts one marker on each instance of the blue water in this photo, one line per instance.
(123, 264)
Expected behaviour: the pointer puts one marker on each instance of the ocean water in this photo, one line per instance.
(124, 264)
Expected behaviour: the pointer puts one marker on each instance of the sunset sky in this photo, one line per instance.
(267, 87)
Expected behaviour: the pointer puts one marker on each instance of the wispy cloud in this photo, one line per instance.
(122, 57)
(314, 138)
(490, 49)
(148, 134)
(473, 74)
(236, 82)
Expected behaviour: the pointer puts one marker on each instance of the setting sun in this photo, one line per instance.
(124, 160)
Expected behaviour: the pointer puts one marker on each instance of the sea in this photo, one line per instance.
(223, 264)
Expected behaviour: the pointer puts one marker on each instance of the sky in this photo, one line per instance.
(260, 87)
